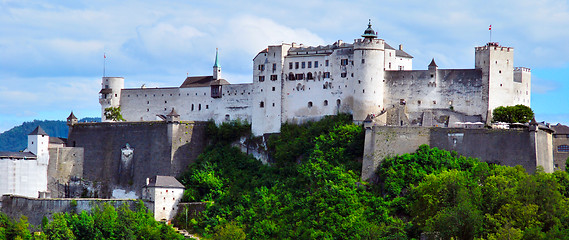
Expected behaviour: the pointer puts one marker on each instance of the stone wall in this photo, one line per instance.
(158, 148)
(65, 163)
(36, 208)
(506, 147)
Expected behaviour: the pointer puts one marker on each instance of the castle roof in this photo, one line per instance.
(164, 181)
(57, 140)
(398, 53)
(433, 64)
(173, 113)
(71, 116)
(216, 60)
(369, 32)
(560, 129)
(202, 81)
(18, 155)
(38, 131)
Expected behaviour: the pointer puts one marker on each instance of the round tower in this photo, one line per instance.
(110, 94)
(369, 64)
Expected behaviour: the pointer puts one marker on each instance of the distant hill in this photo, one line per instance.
(16, 139)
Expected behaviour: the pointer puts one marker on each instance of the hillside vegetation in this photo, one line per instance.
(16, 139)
(312, 190)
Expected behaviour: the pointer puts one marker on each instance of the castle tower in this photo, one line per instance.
(216, 67)
(38, 143)
(110, 94)
(497, 65)
(369, 69)
(71, 120)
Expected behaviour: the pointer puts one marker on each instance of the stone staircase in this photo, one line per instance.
(185, 233)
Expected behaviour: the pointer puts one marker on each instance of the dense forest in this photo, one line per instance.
(16, 139)
(312, 190)
(101, 223)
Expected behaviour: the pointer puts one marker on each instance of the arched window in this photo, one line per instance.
(309, 104)
(338, 102)
(563, 148)
(309, 76)
(262, 104)
(291, 76)
(325, 102)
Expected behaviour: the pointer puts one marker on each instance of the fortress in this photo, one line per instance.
(295, 83)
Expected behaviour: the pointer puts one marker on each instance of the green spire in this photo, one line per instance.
(216, 59)
(369, 32)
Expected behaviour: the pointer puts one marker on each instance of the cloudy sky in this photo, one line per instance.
(51, 52)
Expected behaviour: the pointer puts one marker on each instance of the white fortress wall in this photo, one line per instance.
(522, 86)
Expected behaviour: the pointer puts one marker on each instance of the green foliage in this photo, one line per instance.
(229, 231)
(228, 132)
(113, 114)
(512, 114)
(14, 229)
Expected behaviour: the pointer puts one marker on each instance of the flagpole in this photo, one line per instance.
(490, 28)
(104, 63)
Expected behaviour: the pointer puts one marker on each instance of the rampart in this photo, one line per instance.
(525, 147)
(154, 148)
(36, 208)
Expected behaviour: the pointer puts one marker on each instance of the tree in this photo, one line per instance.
(114, 114)
(513, 114)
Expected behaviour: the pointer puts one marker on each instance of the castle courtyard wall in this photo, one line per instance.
(505, 147)
(159, 148)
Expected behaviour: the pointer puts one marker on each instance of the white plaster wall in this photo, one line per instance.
(166, 202)
(116, 84)
(522, 86)
(368, 85)
(22, 177)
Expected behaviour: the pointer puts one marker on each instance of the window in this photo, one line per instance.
(299, 76)
(303, 64)
(261, 78)
(309, 104)
(344, 62)
(338, 102)
(563, 148)
(315, 64)
(192, 107)
(327, 63)
(363, 61)
(326, 74)
(344, 74)
(289, 65)
(227, 118)
(199, 107)
(262, 67)
(325, 102)
(309, 76)
(434, 102)
(273, 77)
(309, 64)
(296, 65)
(273, 89)
(274, 67)
(262, 104)
(291, 76)
(389, 65)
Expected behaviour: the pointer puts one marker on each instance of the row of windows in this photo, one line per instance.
(261, 67)
(309, 76)
(273, 78)
(154, 95)
(310, 104)
(305, 64)
(563, 148)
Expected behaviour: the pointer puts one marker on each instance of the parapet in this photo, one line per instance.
(495, 46)
(522, 69)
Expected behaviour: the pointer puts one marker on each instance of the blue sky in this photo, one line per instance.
(51, 52)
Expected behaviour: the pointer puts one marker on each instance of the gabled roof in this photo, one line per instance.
(560, 129)
(164, 181)
(173, 113)
(38, 131)
(57, 140)
(202, 81)
(398, 53)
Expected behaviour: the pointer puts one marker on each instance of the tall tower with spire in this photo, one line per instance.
(216, 67)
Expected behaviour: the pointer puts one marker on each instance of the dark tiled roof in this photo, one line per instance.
(106, 91)
(202, 81)
(18, 155)
(56, 140)
(560, 129)
(433, 64)
(173, 113)
(398, 53)
(71, 116)
(164, 181)
(38, 131)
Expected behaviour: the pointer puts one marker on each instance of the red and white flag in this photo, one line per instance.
(490, 28)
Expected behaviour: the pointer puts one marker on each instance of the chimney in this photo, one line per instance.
(401, 47)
